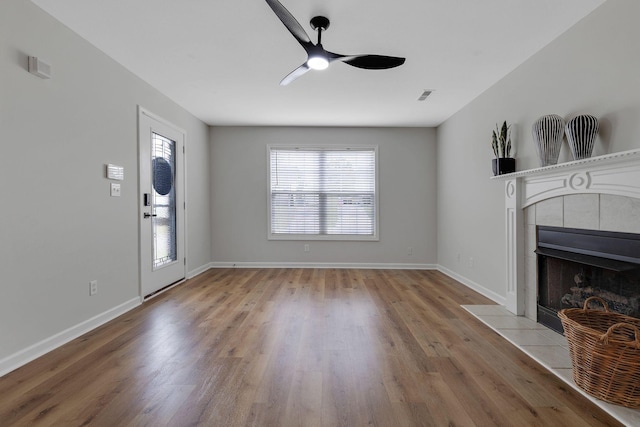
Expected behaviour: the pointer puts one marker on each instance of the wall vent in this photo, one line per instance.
(425, 94)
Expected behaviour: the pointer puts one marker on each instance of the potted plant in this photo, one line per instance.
(501, 144)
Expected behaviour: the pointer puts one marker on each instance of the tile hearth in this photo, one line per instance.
(546, 347)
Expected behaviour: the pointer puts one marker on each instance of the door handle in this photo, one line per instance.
(147, 215)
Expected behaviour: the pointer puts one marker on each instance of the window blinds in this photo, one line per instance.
(323, 192)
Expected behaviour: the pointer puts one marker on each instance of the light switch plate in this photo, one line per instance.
(115, 190)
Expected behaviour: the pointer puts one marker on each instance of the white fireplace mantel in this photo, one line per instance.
(617, 174)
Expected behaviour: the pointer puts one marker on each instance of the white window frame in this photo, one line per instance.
(340, 237)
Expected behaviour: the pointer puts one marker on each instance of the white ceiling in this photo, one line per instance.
(222, 60)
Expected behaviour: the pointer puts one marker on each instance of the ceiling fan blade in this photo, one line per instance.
(369, 62)
(295, 74)
(291, 23)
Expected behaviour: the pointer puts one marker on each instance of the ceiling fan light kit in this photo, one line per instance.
(317, 57)
(318, 63)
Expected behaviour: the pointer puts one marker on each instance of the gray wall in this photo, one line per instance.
(59, 228)
(592, 68)
(407, 168)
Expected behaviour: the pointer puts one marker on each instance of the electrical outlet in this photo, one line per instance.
(458, 258)
(306, 248)
(409, 250)
(93, 287)
(470, 262)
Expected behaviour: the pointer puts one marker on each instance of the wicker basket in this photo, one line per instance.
(605, 352)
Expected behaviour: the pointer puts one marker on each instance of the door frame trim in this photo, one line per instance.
(142, 111)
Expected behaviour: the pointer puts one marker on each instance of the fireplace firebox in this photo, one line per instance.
(574, 264)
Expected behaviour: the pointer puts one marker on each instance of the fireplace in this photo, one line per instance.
(575, 264)
(599, 193)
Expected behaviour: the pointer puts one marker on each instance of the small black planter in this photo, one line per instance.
(503, 165)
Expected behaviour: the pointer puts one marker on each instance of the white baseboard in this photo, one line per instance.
(193, 273)
(365, 266)
(499, 299)
(30, 353)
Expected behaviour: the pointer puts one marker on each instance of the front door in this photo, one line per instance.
(161, 203)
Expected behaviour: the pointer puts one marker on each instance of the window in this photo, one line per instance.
(326, 194)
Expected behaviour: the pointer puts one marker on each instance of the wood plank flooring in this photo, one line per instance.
(295, 347)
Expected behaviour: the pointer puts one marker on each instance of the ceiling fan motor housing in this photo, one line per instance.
(319, 22)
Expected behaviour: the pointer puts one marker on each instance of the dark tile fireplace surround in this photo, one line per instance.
(574, 264)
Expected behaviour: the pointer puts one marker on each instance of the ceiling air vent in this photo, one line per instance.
(425, 94)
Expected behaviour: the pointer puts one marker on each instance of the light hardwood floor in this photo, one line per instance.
(295, 347)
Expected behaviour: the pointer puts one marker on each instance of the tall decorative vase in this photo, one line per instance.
(581, 134)
(547, 133)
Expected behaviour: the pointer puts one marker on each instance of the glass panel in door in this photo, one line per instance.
(163, 162)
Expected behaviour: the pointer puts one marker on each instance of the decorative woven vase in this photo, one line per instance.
(581, 134)
(547, 133)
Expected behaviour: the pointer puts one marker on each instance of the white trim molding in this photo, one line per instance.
(193, 273)
(615, 174)
(36, 350)
(364, 266)
(498, 299)
(615, 158)
(514, 239)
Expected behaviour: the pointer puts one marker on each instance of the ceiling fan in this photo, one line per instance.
(317, 57)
